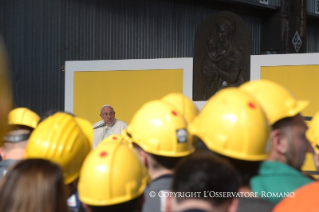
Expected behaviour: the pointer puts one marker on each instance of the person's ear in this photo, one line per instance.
(2, 153)
(233, 206)
(144, 158)
(86, 207)
(101, 116)
(279, 141)
(309, 148)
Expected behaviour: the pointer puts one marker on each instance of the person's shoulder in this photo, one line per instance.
(98, 124)
(120, 122)
(6, 163)
(255, 204)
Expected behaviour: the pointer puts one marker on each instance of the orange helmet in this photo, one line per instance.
(303, 199)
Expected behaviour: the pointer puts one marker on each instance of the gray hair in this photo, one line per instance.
(106, 106)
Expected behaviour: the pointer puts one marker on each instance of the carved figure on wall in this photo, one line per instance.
(223, 64)
(210, 69)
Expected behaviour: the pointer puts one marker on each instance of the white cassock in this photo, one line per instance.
(101, 130)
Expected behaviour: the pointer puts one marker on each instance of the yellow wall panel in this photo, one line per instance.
(125, 90)
(301, 80)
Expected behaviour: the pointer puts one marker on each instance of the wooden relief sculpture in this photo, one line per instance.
(222, 51)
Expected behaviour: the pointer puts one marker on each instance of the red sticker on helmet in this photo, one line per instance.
(174, 113)
(114, 138)
(103, 154)
(251, 105)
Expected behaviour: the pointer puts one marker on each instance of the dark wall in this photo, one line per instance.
(41, 35)
(312, 35)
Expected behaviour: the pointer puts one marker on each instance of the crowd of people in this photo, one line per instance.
(242, 152)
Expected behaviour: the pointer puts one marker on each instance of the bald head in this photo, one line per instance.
(108, 114)
(107, 106)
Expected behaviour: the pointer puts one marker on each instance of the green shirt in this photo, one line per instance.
(276, 180)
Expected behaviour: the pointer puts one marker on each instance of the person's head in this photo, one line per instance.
(203, 171)
(289, 144)
(6, 97)
(108, 114)
(48, 113)
(112, 177)
(159, 129)
(33, 185)
(157, 162)
(21, 122)
(61, 139)
(233, 124)
(212, 43)
(14, 144)
(245, 169)
(226, 27)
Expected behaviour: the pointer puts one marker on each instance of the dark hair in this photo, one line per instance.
(282, 123)
(51, 112)
(211, 37)
(48, 113)
(245, 169)
(228, 22)
(164, 161)
(129, 206)
(167, 162)
(203, 171)
(33, 185)
(19, 126)
(200, 145)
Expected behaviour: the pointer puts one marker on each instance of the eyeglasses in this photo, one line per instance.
(107, 114)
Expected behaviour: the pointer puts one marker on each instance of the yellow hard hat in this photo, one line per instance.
(5, 91)
(233, 124)
(183, 104)
(276, 100)
(60, 139)
(86, 127)
(312, 133)
(158, 128)
(111, 174)
(23, 116)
